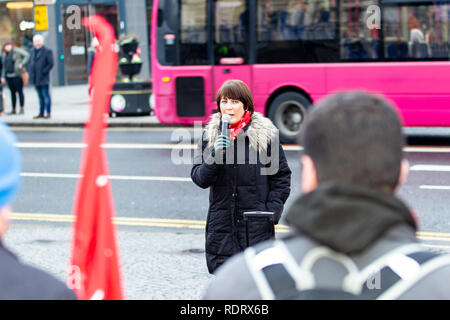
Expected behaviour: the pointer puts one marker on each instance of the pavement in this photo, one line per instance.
(163, 265)
(69, 109)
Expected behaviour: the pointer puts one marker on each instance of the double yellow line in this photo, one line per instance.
(433, 236)
(125, 221)
(178, 223)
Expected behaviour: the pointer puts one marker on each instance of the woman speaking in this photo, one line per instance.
(245, 169)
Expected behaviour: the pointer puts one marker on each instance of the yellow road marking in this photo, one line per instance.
(178, 223)
(423, 233)
(434, 238)
(125, 221)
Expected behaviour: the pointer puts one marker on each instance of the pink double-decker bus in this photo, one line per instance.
(293, 52)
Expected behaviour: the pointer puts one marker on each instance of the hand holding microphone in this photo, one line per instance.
(223, 141)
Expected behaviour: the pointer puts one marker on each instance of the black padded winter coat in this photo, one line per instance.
(255, 176)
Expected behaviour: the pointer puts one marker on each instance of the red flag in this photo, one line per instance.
(94, 271)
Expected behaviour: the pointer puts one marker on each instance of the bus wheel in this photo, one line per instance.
(288, 113)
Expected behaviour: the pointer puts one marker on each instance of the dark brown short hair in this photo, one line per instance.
(357, 138)
(237, 90)
(5, 44)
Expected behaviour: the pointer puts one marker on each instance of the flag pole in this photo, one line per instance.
(94, 269)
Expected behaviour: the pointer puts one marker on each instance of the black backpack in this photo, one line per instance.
(278, 275)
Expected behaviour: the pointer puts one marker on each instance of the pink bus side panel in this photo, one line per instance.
(420, 90)
(165, 92)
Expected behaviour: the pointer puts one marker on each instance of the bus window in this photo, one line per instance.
(290, 31)
(167, 34)
(416, 31)
(231, 30)
(193, 29)
(357, 41)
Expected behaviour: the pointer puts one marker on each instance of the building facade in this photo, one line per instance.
(59, 21)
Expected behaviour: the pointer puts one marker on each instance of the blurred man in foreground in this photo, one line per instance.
(352, 238)
(19, 281)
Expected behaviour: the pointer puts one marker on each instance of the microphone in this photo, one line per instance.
(225, 122)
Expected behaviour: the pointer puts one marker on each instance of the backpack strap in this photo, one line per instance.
(269, 268)
(427, 261)
(278, 275)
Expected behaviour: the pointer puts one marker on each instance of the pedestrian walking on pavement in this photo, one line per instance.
(19, 281)
(41, 63)
(15, 61)
(245, 169)
(351, 238)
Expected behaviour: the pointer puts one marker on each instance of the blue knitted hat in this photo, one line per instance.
(10, 166)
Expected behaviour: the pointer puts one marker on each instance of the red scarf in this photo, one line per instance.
(236, 128)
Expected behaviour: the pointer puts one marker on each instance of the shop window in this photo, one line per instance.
(16, 24)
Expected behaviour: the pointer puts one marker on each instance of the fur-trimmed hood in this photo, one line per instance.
(260, 131)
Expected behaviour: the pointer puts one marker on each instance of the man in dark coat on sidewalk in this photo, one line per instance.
(352, 238)
(19, 281)
(41, 62)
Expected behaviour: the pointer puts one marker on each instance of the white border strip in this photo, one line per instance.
(430, 167)
(428, 187)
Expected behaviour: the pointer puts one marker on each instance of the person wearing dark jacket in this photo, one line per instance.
(15, 61)
(246, 170)
(19, 281)
(41, 63)
(351, 237)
